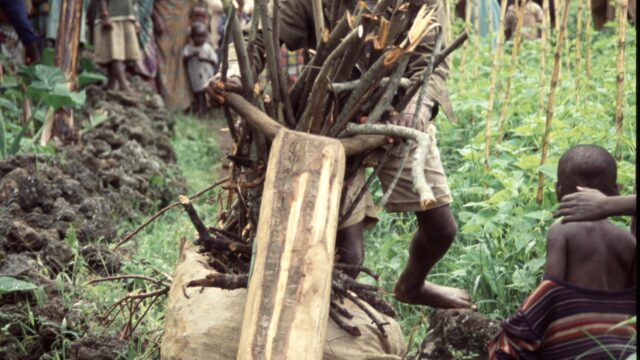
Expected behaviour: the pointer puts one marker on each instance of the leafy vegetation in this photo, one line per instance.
(499, 253)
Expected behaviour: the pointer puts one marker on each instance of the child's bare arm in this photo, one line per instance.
(104, 15)
(556, 265)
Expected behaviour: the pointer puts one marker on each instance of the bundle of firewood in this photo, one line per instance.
(326, 100)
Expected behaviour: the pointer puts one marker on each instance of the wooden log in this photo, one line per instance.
(287, 307)
(66, 58)
(269, 127)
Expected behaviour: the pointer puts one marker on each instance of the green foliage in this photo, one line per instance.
(47, 84)
(44, 88)
(499, 252)
(10, 285)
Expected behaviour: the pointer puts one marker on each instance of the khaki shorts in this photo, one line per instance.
(403, 198)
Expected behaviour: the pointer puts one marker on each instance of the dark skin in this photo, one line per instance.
(436, 231)
(590, 205)
(199, 38)
(591, 254)
(115, 68)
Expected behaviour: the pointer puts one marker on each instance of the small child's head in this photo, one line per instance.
(587, 166)
(198, 13)
(199, 33)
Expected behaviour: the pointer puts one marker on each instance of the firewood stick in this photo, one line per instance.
(368, 81)
(578, 55)
(419, 182)
(273, 69)
(247, 76)
(269, 127)
(223, 281)
(467, 29)
(622, 29)
(365, 187)
(340, 310)
(318, 19)
(404, 156)
(476, 38)
(384, 102)
(284, 88)
(130, 235)
(497, 62)
(543, 52)
(340, 87)
(351, 330)
(225, 68)
(587, 41)
(512, 65)
(302, 87)
(461, 39)
(552, 94)
(317, 94)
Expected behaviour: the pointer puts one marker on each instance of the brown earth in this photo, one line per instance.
(123, 166)
(456, 335)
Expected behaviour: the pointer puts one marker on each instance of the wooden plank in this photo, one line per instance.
(286, 312)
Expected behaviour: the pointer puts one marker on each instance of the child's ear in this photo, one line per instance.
(558, 191)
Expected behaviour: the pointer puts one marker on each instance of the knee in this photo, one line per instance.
(444, 229)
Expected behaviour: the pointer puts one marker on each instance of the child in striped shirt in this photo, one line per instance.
(589, 280)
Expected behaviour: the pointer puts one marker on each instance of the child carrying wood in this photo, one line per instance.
(115, 38)
(589, 279)
(201, 62)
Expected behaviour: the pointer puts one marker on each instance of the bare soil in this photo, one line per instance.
(122, 167)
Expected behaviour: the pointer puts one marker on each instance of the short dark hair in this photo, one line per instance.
(587, 166)
(198, 28)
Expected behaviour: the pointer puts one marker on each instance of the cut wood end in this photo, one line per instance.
(427, 203)
(325, 35)
(183, 200)
(393, 56)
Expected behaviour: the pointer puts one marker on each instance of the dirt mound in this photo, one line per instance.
(53, 207)
(457, 334)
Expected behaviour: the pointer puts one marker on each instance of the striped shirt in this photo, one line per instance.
(562, 321)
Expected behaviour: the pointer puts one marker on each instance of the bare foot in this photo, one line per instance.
(111, 84)
(125, 87)
(433, 295)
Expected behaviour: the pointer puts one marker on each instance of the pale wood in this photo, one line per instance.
(512, 65)
(552, 94)
(578, 73)
(467, 29)
(287, 306)
(318, 19)
(476, 39)
(622, 30)
(543, 52)
(497, 62)
(269, 127)
(66, 58)
(587, 41)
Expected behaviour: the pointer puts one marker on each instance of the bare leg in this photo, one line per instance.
(436, 231)
(111, 76)
(118, 70)
(350, 247)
